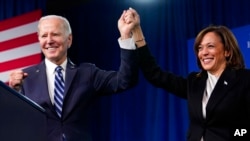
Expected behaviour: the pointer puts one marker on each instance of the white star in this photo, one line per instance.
(225, 82)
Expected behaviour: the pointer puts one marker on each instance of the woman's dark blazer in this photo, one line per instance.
(228, 109)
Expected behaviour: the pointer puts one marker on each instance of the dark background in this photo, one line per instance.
(143, 113)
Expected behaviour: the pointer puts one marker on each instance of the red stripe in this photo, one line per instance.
(20, 20)
(17, 42)
(21, 62)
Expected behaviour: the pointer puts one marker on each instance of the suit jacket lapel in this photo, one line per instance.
(197, 94)
(227, 80)
(70, 74)
(41, 86)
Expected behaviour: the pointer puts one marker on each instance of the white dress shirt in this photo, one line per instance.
(50, 70)
(211, 82)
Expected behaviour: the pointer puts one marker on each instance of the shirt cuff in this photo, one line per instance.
(128, 44)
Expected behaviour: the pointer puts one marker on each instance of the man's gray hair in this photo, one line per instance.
(65, 22)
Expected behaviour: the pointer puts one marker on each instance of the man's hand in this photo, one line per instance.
(127, 22)
(16, 79)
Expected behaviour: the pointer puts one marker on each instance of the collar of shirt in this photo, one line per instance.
(50, 67)
(50, 71)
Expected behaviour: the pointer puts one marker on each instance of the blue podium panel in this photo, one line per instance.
(21, 119)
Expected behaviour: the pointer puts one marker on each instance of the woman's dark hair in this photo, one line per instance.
(235, 59)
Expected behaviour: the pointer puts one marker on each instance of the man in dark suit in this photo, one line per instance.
(81, 84)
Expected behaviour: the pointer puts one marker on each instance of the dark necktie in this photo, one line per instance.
(59, 90)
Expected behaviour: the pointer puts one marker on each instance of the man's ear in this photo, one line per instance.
(70, 40)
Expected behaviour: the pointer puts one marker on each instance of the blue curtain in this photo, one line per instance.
(143, 113)
(11, 8)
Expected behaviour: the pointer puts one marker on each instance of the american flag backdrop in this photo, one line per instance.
(19, 47)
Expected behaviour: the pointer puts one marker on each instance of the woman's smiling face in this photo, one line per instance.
(212, 54)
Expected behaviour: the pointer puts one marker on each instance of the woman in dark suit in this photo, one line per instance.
(218, 96)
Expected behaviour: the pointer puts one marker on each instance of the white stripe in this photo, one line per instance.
(4, 76)
(57, 99)
(59, 108)
(20, 52)
(18, 31)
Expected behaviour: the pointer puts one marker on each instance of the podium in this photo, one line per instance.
(21, 119)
